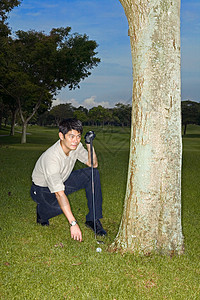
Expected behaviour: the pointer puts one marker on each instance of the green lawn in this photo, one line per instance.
(45, 263)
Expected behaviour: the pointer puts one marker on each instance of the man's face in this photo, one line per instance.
(71, 140)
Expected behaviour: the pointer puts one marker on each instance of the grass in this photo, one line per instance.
(44, 263)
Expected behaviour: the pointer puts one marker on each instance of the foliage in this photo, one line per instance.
(122, 113)
(80, 115)
(61, 111)
(45, 263)
(35, 66)
(3, 110)
(190, 113)
(6, 6)
(99, 115)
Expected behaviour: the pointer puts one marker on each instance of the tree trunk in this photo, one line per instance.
(185, 127)
(25, 121)
(1, 118)
(23, 137)
(14, 115)
(5, 121)
(151, 219)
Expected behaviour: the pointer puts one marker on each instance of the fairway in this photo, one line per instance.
(45, 263)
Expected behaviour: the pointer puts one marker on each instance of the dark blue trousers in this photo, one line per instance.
(47, 204)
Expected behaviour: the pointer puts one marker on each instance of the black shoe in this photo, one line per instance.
(42, 222)
(99, 227)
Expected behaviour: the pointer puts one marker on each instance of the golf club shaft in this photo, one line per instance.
(93, 199)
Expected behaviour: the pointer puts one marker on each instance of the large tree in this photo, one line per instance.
(6, 101)
(81, 113)
(122, 112)
(35, 66)
(99, 115)
(9, 106)
(61, 111)
(190, 113)
(6, 6)
(4, 110)
(152, 211)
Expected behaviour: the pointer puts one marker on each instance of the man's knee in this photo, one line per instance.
(33, 193)
(96, 175)
(96, 171)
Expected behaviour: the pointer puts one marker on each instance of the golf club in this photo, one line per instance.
(93, 198)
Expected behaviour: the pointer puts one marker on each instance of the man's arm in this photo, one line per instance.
(65, 206)
(95, 161)
(89, 137)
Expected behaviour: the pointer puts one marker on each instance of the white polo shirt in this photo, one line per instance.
(54, 167)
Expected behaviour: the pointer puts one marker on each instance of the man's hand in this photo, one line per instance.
(76, 233)
(65, 206)
(90, 135)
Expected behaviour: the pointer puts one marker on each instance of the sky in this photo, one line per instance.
(105, 22)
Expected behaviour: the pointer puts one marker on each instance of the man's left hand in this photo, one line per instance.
(90, 135)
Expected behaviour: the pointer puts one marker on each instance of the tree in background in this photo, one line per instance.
(190, 113)
(122, 113)
(5, 7)
(61, 111)
(99, 115)
(6, 102)
(8, 106)
(81, 113)
(35, 66)
(4, 111)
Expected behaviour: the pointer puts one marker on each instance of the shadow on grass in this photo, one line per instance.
(10, 140)
(37, 137)
(191, 136)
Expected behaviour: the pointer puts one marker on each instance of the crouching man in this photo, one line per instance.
(53, 179)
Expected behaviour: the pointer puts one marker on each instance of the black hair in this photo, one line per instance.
(70, 124)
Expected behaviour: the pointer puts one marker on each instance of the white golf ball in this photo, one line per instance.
(98, 249)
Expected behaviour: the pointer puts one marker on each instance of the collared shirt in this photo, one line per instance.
(54, 167)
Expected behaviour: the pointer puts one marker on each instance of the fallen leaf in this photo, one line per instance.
(59, 245)
(150, 283)
(77, 264)
(172, 253)
(147, 254)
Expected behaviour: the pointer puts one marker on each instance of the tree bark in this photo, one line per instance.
(26, 120)
(5, 121)
(185, 128)
(23, 136)
(151, 220)
(1, 117)
(14, 115)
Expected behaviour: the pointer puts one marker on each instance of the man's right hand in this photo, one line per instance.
(90, 135)
(76, 233)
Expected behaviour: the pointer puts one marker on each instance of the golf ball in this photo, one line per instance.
(98, 249)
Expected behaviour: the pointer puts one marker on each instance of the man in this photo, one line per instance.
(53, 179)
